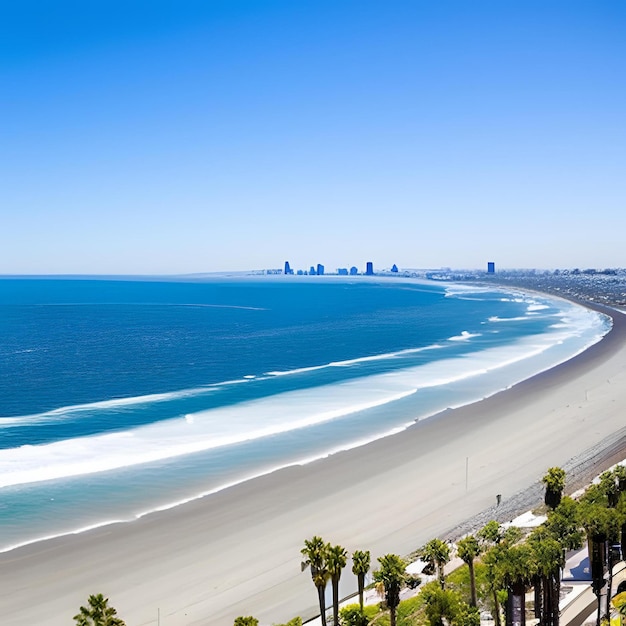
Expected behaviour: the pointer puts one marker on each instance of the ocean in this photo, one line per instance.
(123, 397)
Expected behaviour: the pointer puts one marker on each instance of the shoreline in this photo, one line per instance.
(236, 552)
(339, 449)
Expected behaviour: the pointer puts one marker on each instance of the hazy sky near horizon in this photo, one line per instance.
(161, 137)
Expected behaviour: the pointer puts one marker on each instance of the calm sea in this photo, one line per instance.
(120, 397)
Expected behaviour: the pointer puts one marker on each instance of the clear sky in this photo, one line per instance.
(172, 137)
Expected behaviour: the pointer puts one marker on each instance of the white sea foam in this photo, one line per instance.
(141, 442)
(266, 417)
(495, 318)
(363, 359)
(72, 411)
(203, 494)
(198, 432)
(464, 336)
(453, 290)
(117, 403)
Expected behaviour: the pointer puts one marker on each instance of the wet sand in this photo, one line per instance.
(237, 552)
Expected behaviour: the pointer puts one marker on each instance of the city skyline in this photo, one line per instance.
(205, 136)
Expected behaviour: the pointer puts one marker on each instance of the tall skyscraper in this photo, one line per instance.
(491, 267)
(288, 269)
(320, 269)
(369, 269)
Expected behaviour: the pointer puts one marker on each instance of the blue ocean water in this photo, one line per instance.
(121, 397)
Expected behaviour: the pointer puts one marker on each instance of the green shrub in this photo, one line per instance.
(349, 615)
(410, 611)
(352, 616)
(246, 621)
(459, 580)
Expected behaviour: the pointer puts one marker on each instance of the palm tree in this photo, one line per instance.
(468, 549)
(336, 559)
(360, 567)
(620, 476)
(517, 573)
(548, 558)
(608, 484)
(314, 553)
(390, 578)
(564, 526)
(554, 480)
(97, 613)
(436, 553)
(564, 523)
(601, 524)
(493, 559)
(498, 540)
(491, 533)
(444, 607)
(621, 511)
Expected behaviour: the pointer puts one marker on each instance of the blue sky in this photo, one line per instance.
(174, 137)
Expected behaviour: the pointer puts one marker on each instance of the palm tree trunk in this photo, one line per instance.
(538, 598)
(557, 595)
(361, 583)
(496, 608)
(322, 600)
(472, 575)
(554, 598)
(609, 560)
(392, 616)
(546, 585)
(515, 605)
(335, 601)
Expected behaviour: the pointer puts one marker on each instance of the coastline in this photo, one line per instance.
(237, 551)
(479, 390)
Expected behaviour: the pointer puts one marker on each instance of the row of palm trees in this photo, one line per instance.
(516, 565)
(327, 563)
(513, 564)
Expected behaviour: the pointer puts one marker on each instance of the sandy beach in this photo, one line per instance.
(237, 552)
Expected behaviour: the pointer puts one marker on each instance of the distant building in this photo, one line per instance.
(274, 271)
(320, 269)
(342, 271)
(369, 269)
(353, 271)
(300, 272)
(288, 269)
(312, 271)
(491, 267)
(394, 268)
